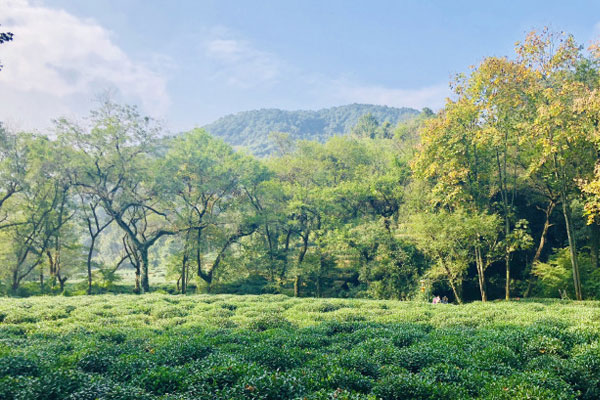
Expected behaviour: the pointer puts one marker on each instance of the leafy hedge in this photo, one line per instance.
(165, 347)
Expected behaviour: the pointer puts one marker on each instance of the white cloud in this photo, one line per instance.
(346, 91)
(239, 64)
(58, 63)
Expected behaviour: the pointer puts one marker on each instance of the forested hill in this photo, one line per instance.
(251, 129)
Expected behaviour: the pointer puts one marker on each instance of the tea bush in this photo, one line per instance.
(159, 347)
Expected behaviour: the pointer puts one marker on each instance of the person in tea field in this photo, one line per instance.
(436, 300)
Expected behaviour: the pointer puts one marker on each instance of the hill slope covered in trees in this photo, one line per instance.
(251, 129)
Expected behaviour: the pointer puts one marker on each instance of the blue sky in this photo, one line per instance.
(190, 62)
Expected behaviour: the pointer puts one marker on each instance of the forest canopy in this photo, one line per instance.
(251, 129)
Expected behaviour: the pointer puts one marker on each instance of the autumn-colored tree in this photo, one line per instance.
(563, 152)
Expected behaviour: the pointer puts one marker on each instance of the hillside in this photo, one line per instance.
(251, 128)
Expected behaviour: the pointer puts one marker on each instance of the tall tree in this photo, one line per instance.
(497, 87)
(558, 134)
(212, 190)
(41, 211)
(96, 221)
(116, 164)
(459, 168)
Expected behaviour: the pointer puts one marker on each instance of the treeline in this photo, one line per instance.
(250, 129)
(495, 196)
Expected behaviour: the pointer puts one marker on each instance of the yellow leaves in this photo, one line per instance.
(594, 49)
(548, 51)
(591, 188)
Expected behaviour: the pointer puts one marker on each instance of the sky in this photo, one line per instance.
(188, 63)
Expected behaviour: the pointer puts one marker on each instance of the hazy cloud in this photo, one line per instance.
(346, 91)
(238, 63)
(58, 63)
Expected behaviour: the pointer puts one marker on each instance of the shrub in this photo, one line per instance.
(270, 321)
(18, 366)
(162, 379)
(140, 347)
(411, 386)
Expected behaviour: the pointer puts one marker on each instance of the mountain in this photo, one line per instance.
(251, 129)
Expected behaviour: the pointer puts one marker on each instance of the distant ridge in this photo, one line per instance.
(250, 129)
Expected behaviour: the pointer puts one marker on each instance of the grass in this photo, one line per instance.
(275, 347)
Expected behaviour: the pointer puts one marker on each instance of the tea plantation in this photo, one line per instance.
(274, 347)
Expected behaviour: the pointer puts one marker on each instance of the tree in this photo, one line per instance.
(497, 87)
(366, 127)
(212, 190)
(117, 158)
(331, 191)
(96, 222)
(41, 212)
(390, 266)
(283, 142)
(440, 238)
(559, 135)
(460, 172)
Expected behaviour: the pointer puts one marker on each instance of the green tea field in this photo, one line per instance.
(275, 347)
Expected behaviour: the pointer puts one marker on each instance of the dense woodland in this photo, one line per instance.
(495, 196)
(251, 129)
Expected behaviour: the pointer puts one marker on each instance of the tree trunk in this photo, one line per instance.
(481, 274)
(61, 282)
(52, 268)
(453, 285)
(538, 252)
(271, 257)
(297, 286)
(568, 226)
(507, 256)
(89, 265)
(200, 272)
(15, 282)
(144, 262)
(42, 280)
(547, 226)
(286, 249)
(456, 295)
(183, 270)
(594, 244)
(572, 248)
(300, 259)
(507, 287)
(502, 177)
(318, 286)
(138, 280)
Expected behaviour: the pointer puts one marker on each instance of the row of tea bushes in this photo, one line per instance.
(274, 347)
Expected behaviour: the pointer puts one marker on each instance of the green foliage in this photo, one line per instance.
(555, 276)
(159, 346)
(404, 206)
(251, 129)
